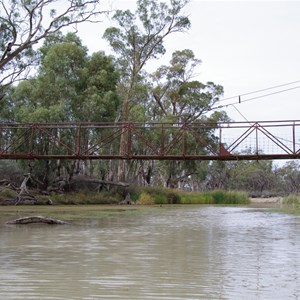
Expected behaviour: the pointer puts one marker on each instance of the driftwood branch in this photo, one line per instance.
(36, 219)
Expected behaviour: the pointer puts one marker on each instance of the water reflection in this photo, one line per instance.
(175, 253)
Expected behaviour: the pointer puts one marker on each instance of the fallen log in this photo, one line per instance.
(36, 219)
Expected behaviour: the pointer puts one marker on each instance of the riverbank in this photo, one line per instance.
(125, 196)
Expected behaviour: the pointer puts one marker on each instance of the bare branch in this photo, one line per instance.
(25, 25)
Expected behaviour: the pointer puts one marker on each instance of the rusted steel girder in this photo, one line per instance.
(154, 141)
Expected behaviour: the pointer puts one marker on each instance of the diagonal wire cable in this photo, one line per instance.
(254, 98)
(261, 90)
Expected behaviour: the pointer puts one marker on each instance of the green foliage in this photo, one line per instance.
(196, 198)
(289, 177)
(161, 199)
(6, 193)
(8, 167)
(151, 196)
(178, 95)
(25, 23)
(137, 38)
(145, 199)
(157, 19)
(168, 196)
(158, 195)
(69, 86)
(254, 176)
(230, 197)
(292, 203)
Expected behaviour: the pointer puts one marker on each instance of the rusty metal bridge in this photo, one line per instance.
(151, 141)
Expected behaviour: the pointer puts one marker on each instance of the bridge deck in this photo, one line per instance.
(154, 141)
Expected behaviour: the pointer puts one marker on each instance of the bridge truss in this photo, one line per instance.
(153, 141)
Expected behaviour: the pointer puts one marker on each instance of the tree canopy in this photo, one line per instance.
(139, 37)
(24, 23)
(70, 86)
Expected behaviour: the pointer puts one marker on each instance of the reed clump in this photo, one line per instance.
(215, 197)
(158, 195)
(291, 203)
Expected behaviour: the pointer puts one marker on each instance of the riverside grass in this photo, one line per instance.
(169, 196)
(142, 196)
(291, 204)
(215, 197)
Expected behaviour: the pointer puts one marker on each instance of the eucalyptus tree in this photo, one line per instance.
(23, 24)
(288, 177)
(178, 97)
(70, 86)
(255, 177)
(176, 94)
(137, 38)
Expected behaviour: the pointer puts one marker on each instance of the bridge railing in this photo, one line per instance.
(155, 140)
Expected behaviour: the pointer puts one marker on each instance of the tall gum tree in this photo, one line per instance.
(24, 23)
(178, 97)
(138, 38)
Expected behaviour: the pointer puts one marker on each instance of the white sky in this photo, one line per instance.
(244, 46)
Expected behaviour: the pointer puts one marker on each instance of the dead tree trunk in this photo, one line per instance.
(24, 194)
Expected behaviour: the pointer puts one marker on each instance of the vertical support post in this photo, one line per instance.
(31, 144)
(184, 140)
(294, 141)
(162, 140)
(220, 140)
(40, 150)
(78, 135)
(256, 137)
(129, 140)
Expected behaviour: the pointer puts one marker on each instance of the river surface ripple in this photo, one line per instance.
(194, 252)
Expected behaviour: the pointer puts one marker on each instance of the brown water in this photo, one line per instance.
(174, 253)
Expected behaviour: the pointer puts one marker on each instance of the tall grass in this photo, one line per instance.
(154, 195)
(292, 203)
(215, 197)
(157, 195)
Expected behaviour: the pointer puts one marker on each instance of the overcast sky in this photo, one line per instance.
(244, 46)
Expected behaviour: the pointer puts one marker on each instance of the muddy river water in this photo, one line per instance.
(191, 252)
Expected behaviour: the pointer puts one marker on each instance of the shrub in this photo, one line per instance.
(292, 202)
(160, 199)
(145, 199)
(7, 193)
